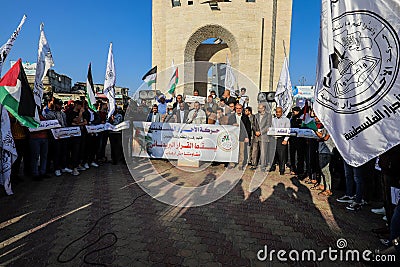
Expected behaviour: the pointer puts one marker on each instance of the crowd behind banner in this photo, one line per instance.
(70, 148)
(316, 161)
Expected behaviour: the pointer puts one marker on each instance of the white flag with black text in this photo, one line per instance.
(44, 63)
(5, 49)
(109, 82)
(356, 94)
(284, 94)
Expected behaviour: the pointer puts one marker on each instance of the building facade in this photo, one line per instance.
(251, 34)
(121, 93)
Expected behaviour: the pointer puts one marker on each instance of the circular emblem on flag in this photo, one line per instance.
(227, 141)
(364, 65)
(110, 74)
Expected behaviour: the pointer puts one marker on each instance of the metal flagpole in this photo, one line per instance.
(284, 48)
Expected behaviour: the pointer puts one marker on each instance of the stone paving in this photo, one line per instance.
(103, 218)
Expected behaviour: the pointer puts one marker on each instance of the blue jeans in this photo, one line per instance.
(354, 174)
(39, 148)
(395, 225)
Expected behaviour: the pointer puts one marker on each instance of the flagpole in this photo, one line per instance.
(155, 83)
(284, 51)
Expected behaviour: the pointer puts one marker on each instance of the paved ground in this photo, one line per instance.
(39, 224)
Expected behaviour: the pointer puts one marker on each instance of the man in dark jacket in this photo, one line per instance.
(241, 120)
(297, 145)
(154, 116)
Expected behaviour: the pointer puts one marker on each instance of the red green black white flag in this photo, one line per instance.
(17, 96)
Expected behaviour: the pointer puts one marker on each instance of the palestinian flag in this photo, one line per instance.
(151, 76)
(308, 122)
(173, 82)
(17, 97)
(90, 95)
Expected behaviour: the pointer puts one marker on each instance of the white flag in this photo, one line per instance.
(5, 49)
(44, 63)
(109, 82)
(356, 95)
(230, 79)
(8, 152)
(283, 95)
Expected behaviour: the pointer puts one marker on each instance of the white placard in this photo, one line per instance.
(192, 99)
(66, 132)
(107, 127)
(279, 131)
(95, 128)
(46, 125)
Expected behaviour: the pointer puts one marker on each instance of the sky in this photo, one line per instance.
(80, 32)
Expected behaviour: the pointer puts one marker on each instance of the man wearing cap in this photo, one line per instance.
(162, 104)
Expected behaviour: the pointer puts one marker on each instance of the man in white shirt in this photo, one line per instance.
(281, 141)
(197, 115)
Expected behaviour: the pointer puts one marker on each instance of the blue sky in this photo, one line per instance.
(79, 32)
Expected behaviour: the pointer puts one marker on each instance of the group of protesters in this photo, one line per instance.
(43, 154)
(313, 160)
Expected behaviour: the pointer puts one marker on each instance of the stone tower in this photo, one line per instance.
(252, 33)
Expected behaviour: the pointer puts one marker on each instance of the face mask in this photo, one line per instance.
(169, 112)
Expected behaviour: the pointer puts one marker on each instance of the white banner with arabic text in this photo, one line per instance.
(193, 142)
(46, 125)
(66, 132)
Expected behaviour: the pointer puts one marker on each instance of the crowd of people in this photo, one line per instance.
(42, 154)
(315, 161)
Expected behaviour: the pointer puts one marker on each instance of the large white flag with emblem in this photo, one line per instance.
(284, 94)
(357, 93)
(44, 63)
(109, 82)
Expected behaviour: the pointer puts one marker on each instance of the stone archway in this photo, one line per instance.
(196, 51)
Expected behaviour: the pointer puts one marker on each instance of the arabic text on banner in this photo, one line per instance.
(203, 142)
(304, 133)
(66, 132)
(46, 125)
(107, 127)
(356, 94)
